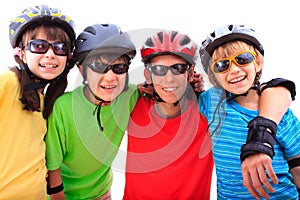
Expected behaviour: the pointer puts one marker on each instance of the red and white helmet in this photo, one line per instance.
(170, 42)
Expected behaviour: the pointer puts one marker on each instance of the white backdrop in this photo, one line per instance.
(276, 21)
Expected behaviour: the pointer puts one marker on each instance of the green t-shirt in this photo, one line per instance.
(75, 143)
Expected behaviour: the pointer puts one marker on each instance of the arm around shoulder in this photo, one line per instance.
(281, 90)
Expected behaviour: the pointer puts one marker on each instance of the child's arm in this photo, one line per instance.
(54, 185)
(274, 102)
(294, 165)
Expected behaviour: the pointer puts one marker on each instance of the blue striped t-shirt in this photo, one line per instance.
(228, 126)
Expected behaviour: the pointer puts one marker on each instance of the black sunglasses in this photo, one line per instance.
(241, 59)
(102, 68)
(161, 70)
(42, 46)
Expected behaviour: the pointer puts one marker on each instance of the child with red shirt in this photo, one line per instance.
(164, 160)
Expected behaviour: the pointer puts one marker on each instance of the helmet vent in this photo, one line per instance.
(160, 36)
(90, 30)
(149, 42)
(173, 35)
(185, 41)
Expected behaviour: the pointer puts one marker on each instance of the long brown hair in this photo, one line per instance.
(56, 87)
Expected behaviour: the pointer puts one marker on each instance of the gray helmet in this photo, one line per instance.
(226, 34)
(103, 38)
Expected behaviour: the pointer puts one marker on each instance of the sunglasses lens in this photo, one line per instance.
(179, 69)
(60, 48)
(221, 66)
(244, 58)
(38, 46)
(120, 68)
(98, 67)
(159, 70)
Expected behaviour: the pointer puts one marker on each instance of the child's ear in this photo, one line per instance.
(19, 55)
(259, 63)
(147, 75)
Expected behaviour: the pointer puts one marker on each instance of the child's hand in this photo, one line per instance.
(145, 89)
(198, 83)
(256, 169)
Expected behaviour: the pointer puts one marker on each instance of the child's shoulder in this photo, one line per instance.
(8, 76)
(68, 95)
(212, 93)
(130, 92)
(132, 87)
(4, 72)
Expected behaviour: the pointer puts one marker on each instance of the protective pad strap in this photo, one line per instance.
(55, 190)
(261, 123)
(290, 85)
(261, 137)
(253, 148)
(294, 163)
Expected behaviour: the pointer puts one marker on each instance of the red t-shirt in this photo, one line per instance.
(167, 158)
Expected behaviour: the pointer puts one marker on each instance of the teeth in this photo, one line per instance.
(170, 89)
(236, 80)
(108, 87)
(49, 66)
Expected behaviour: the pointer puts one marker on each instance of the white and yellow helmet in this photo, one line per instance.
(40, 15)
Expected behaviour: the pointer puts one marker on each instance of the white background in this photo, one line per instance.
(276, 21)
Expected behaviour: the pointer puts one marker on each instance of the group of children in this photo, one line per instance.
(174, 136)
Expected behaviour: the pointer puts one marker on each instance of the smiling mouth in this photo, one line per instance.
(237, 80)
(108, 87)
(48, 66)
(169, 89)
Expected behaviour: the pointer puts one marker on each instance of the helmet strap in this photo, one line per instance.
(230, 96)
(97, 110)
(37, 84)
